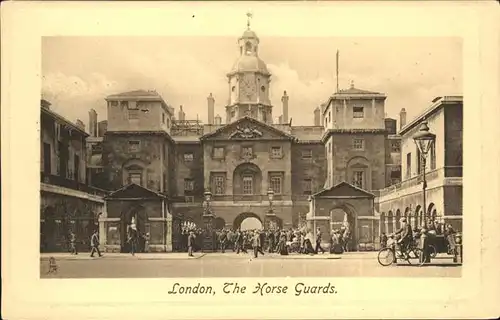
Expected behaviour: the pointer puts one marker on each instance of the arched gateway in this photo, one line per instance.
(247, 221)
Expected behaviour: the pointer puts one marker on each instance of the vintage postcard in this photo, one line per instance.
(251, 161)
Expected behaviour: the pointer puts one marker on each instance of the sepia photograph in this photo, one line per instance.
(250, 160)
(250, 156)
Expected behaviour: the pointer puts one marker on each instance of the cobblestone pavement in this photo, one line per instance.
(355, 264)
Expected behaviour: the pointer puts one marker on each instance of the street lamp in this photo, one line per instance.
(270, 196)
(208, 199)
(424, 140)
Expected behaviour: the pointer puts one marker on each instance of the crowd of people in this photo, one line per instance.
(280, 241)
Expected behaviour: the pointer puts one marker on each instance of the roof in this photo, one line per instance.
(236, 124)
(135, 93)
(186, 139)
(343, 190)
(134, 192)
(249, 63)
(308, 133)
(60, 118)
(353, 90)
(437, 103)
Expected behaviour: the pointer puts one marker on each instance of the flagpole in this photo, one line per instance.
(337, 70)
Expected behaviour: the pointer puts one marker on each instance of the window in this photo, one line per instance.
(219, 183)
(408, 165)
(246, 152)
(419, 162)
(134, 146)
(47, 164)
(77, 167)
(233, 88)
(329, 116)
(168, 122)
(275, 182)
(433, 156)
(395, 146)
(263, 89)
(307, 154)
(135, 177)
(188, 157)
(307, 186)
(276, 152)
(396, 176)
(133, 114)
(124, 104)
(247, 185)
(329, 147)
(218, 153)
(264, 116)
(114, 103)
(188, 185)
(233, 114)
(357, 112)
(358, 144)
(163, 118)
(358, 178)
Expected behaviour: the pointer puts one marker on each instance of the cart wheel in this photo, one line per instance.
(385, 257)
(432, 251)
(420, 259)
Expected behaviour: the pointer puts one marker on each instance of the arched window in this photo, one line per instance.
(248, 47)
(134, 172)
(359, 173)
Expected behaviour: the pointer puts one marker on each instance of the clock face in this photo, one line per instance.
(248, 86)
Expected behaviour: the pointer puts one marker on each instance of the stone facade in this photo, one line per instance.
(443, 172)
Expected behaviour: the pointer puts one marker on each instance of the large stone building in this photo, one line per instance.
(157, 167)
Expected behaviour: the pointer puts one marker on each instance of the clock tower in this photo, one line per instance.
(249, 82)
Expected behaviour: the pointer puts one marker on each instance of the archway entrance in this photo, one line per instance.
(247, 221)
(135, 215)
(343, 219)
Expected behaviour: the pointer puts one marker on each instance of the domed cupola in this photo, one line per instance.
(249, 81)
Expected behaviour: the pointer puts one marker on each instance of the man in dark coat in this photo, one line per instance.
(256, 244)
(270, 239)
(318, 242)
(72, 241)
(190, 242)
(223, 241)
(406, 235)
(94, 242)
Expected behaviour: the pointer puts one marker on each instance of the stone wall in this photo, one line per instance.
(153, 154)
(313, 168)
(374, 152)
(189, 169)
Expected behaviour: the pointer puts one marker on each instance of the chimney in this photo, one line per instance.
(93, 123)
(45, 104)
(103, 128)
(317, 116)
(182, 115)
(218, 120)
(79, 123)
(284, 100)
(211, 102)
(402, 118)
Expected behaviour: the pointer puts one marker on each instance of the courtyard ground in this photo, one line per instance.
(164, 265)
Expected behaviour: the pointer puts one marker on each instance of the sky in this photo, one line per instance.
(79, 72)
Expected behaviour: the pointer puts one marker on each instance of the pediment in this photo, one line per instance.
(342, 190)
(247, 129)
(134, 191)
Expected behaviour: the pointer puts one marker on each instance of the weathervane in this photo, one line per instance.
(249, 16)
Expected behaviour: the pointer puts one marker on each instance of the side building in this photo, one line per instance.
(443, 171)
(67, 203)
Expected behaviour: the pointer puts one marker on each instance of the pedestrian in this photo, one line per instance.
(318, 242)
(223, 241)
(132, 240)
(72, 240)
(256, 244)
(270, 239)
(94, 242)
(190, 243)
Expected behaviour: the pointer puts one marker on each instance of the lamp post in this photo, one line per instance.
(208, 221)
(270, 212)
(424, 140)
